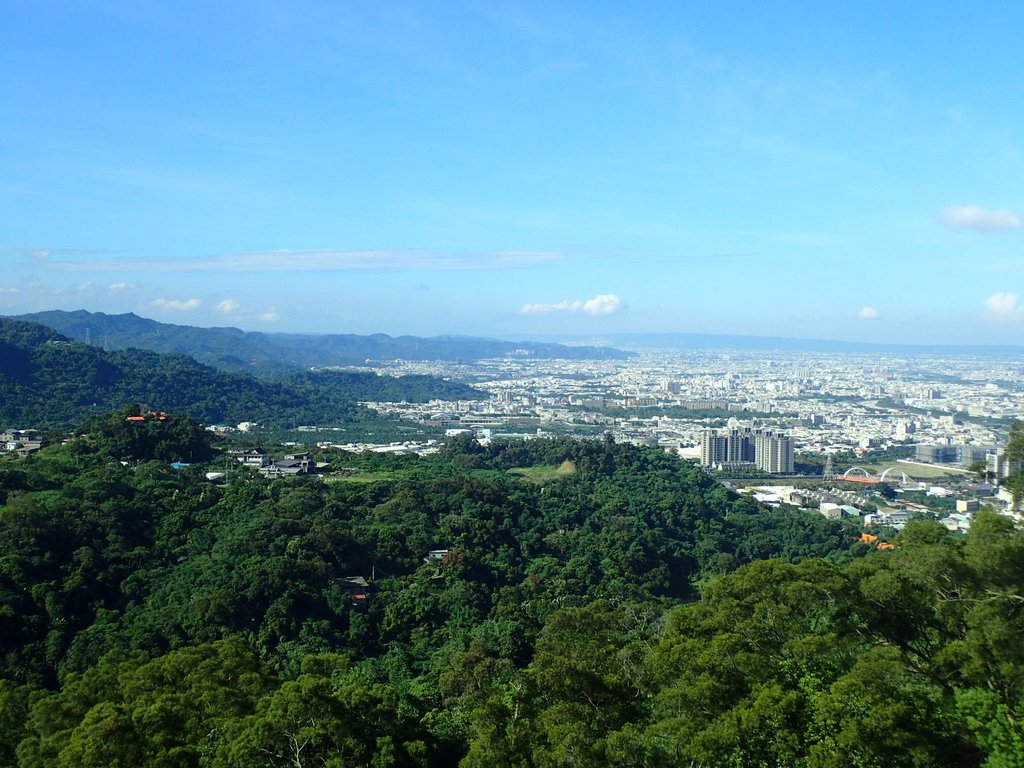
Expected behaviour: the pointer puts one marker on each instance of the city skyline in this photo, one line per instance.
(518, 171)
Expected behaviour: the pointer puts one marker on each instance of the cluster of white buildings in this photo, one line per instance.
(21, 441)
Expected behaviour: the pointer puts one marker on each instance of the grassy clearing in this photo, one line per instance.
(362, 477)
(544, 473)
(916, 471)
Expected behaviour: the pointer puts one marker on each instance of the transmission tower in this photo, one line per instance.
(830, 471)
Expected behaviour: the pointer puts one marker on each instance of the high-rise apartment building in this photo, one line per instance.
(774, 453)
(743, 446)
(1000, 466)
(713, 448)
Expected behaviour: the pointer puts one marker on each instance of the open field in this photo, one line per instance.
(916, 471)
(361, 477)
(546, 472)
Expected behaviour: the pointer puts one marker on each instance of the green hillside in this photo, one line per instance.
(231, 349)
(48, 381)
(627, 613)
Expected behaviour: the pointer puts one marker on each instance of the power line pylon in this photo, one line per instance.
(829, 473)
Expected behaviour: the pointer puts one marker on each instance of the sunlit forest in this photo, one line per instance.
(541, 603)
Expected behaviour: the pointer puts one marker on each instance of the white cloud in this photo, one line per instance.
(605, 304)
(867, 313)
(178, 305)
(227, 306)
(119, 287)
(270, 316)
(980, 219)
(600, 306)
(8, 290)
(1004, 307)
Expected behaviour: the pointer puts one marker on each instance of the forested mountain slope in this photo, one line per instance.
(48, 381)
(585, 604)
(232, 349)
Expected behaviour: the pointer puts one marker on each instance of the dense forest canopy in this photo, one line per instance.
(542, 603)
(48, 381)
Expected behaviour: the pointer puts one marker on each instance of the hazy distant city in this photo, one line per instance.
(931, 425)
(824, 403)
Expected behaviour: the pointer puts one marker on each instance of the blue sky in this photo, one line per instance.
(830, 170)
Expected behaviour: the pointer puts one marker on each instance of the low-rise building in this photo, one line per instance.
(250, 457)
(21, 441)
(292, 464)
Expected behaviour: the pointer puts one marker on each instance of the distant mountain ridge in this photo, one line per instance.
(232, 349)
(47, 380)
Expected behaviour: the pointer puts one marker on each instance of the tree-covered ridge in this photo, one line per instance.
(49, 381)
(620, 612)
(235, 350)
(907, 658)
(109, 547)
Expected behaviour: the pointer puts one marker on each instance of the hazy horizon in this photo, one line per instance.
(639, 341)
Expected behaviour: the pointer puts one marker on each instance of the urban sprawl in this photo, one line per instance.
(883, 437)
(933, 425)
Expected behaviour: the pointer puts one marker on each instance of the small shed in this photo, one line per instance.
(357, 587)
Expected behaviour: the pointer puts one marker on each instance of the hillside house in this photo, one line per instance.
(250, 457)
(293, 464)
(21, 441)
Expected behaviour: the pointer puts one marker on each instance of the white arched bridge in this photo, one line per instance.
(861, 475)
